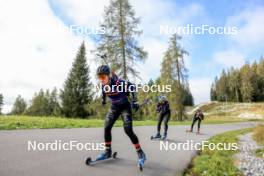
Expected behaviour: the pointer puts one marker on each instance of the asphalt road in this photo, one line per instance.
(15, 159)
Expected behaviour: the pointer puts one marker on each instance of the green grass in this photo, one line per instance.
(29, 122)
(217, 162)
(258, 134)
(260, 152)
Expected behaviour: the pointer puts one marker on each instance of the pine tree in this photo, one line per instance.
(119, 41)
(223, 87)
(174, 73)
(77, 90)
(167, 70)
(1, 102)
(246, 86)
(39, 104)
(213, 95)
(234, 85)
(177, 53)
(187, 97)
(260, 73)
(54, 106)
(19, 106)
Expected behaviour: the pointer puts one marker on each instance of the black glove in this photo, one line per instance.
(103, 103)
(135, 105)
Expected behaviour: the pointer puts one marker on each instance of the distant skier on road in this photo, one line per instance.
(163, 108)
(198, 116)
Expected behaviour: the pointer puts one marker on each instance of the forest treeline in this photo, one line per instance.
(119, 48)
(77, 99)
(245, 84)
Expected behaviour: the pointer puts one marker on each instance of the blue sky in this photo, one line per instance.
(42, 40)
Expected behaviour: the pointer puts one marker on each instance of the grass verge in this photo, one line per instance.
(260, 153)
(258, 134)
(217, 162)
(29, 122)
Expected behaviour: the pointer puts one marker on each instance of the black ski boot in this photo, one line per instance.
(164, 137)
(158, 136)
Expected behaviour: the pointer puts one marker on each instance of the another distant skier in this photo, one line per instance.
(198, 116)
(163, 108)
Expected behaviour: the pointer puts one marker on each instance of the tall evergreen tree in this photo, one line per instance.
(19, 106)
(223, 87)
(54, 106)
(260, 72)
(234, 85)
(77, 90)
(119, 41)
(213, 95)
(1, 102)
(39, 104)
(187, 97)
(174, 73)
(246, 84)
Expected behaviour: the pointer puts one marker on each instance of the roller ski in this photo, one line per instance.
(141, 160)
(102, 157)
(191, 131)
(157, 137)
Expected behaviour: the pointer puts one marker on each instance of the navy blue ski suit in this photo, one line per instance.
(164, 109)
(120, 105)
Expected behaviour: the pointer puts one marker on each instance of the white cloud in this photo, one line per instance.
(200, 89)
(250, 27)
(151, 68)
(82, 12)
(36, 53)
(229, 58)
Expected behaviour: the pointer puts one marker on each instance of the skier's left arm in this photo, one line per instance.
(131, 89)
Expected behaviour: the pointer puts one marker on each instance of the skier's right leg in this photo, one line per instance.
(110, 119)
(199, 125)
(193, 122)
(166, 126)
(161, 116)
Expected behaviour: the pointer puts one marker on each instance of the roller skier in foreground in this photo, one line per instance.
(198, 116)
(120, 106)
(163, 108)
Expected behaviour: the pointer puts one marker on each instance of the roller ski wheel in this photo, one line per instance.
(88, 161)
(114, 155)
